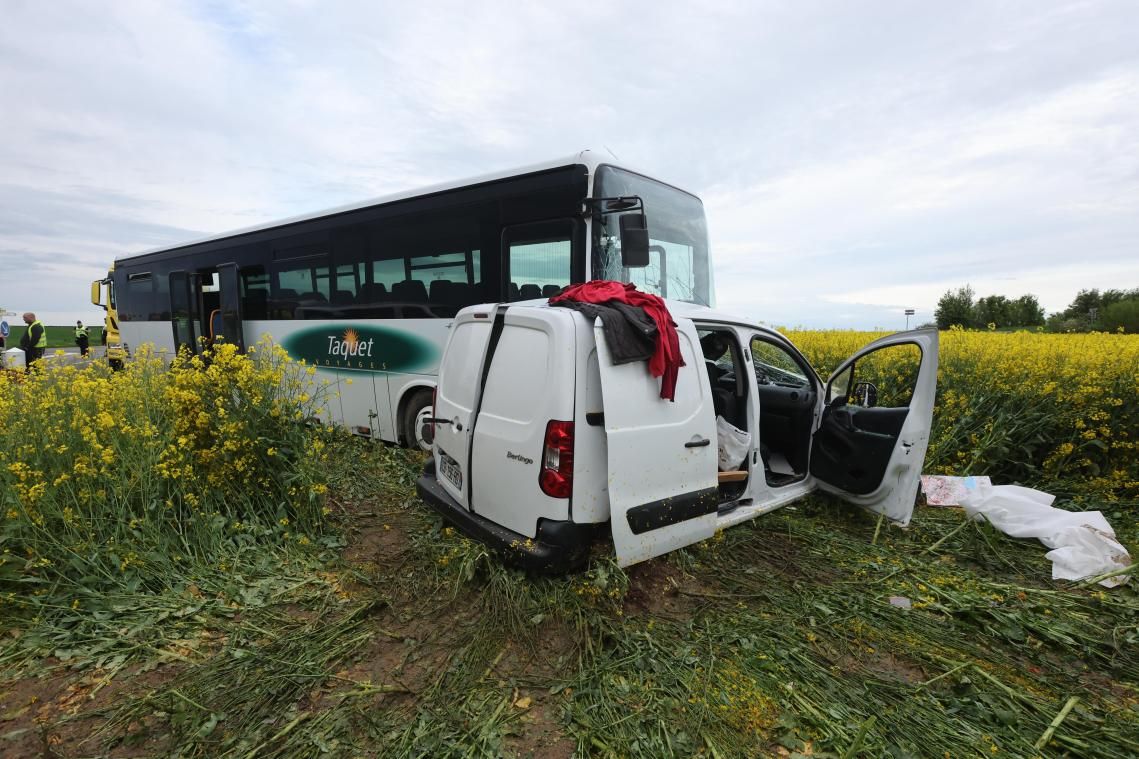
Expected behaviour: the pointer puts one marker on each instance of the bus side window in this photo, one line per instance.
(430, 264)
(255, 292)
(538, 259)
(139, 300)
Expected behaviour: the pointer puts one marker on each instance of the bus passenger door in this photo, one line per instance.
(229, 320)
(184, 310)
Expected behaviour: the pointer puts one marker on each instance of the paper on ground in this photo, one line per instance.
(943, 490)
(1082, 542)
(778, 464)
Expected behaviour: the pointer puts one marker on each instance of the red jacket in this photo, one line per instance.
(665, 361)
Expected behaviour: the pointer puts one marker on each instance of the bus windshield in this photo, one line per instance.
(679, 264)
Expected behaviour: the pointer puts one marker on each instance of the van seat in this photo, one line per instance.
(529, 292)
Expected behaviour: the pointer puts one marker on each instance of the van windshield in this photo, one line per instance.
(679, 265)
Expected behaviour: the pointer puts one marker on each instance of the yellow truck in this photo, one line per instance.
(103, 296)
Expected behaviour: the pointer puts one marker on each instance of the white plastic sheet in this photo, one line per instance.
(943, 490)
(13, 359)
(1082, 542)
(733, 445)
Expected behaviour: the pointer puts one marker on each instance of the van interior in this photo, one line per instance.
(787, 395)
(723, 361)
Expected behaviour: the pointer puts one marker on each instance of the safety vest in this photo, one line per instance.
(42, 342)
(80, 332)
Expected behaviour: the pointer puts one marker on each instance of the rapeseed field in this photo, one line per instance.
(110, 480)
(1060, 411)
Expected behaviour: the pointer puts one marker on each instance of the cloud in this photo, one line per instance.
(852, 159)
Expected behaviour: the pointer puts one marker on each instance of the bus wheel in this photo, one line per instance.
(416, 412)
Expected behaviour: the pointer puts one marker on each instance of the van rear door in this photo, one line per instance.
(530, 385)
(456, 398)
(663, 490)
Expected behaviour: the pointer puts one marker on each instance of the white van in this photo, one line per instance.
(540, 439)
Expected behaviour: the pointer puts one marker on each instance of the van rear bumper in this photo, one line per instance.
(560, 546)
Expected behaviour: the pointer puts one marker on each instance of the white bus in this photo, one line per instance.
(368, 291)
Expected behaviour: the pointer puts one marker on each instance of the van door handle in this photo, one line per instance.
(698, 443)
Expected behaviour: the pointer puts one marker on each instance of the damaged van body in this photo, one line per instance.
(541, 439)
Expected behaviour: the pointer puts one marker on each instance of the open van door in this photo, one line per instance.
(663, 484)
(872, 435)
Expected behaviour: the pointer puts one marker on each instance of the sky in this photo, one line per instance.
(854, 159)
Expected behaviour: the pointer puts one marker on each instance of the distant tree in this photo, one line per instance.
(993, 309)
(1088, 310)
(1122, 314)
(955, 307)
(1083, 305)
(1027, 312)
(1060, 323)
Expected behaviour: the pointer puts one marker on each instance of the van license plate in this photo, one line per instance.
(450, 469)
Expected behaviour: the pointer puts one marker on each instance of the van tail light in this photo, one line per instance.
(556, 475)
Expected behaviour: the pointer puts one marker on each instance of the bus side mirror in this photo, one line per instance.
(634, 241)
(97, 292)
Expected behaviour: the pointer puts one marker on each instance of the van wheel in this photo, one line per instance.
(413, 421)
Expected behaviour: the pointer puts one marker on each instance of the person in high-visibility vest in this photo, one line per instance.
(82, 339)
(34, 340)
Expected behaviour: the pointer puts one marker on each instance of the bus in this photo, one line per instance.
(366, 292)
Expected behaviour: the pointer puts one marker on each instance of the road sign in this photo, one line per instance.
(909, 312)
(4, 331)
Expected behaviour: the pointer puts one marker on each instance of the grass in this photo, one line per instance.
(64, 337)
(786, 636)
(57, 337)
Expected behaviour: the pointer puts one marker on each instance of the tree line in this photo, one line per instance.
(1091, 310)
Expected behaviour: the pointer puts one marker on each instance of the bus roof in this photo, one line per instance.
(588, 158)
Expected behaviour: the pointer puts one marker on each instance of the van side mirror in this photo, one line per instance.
(865, 394)
(634, 241)
(97, 293)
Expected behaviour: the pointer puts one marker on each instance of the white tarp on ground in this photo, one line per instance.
(13, 359)
(943, 490)
(1082, 542)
